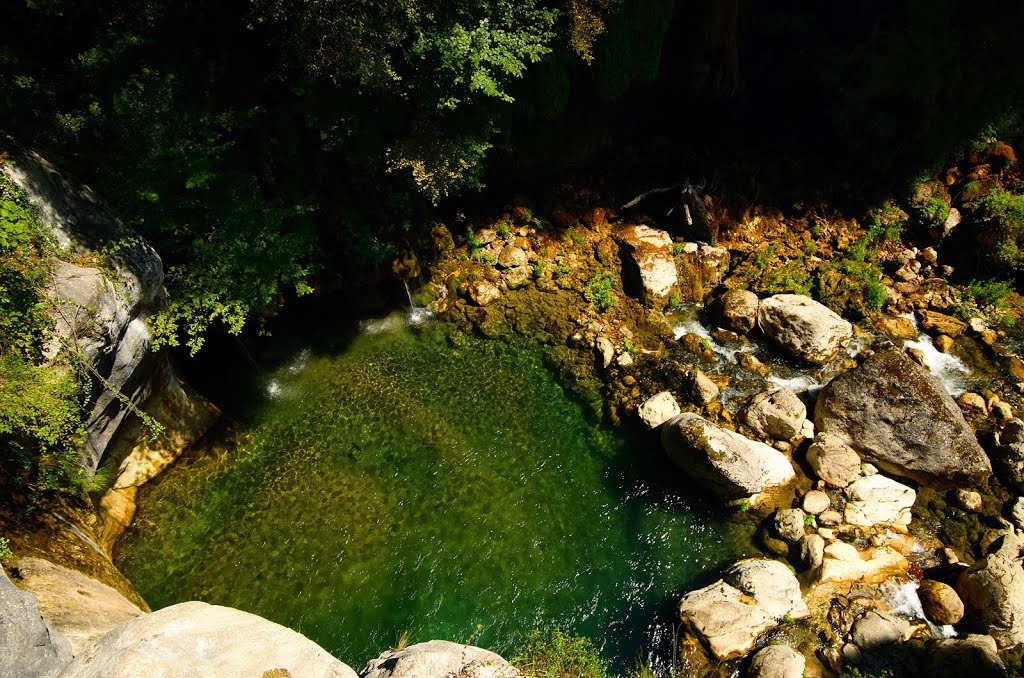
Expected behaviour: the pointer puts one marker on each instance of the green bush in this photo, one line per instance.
(5, 549)
(560, 655)
(599, 291)
(1003, 212)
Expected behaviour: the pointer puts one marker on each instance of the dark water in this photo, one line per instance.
(452, 492)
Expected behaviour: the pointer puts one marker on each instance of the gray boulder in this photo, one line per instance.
(28, 646)
(777, 414)
(658, 409)
(895, 414)
(992, 591)
(877, 500)
(737, 310)
(649, 267)
(439, 659)
(730, 465)
(777, 661)
(789, 523)
(753, 596)
(972, 655)
(196, 639)
(876, 629)
(803, 327)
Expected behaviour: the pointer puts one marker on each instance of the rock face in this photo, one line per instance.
(658, 409)
(832, 460)
(193, 639)
(80, 608)
(28, 646)
(777, 414)
(439, 659)
(992, 591)
(789, 523)
(700, 267)
(877, 500)
(732, 466)
(974, 655)
(649, 265)
(900, 418)
(777, 661)
(737, 310)
(803, 327)
(753, 596)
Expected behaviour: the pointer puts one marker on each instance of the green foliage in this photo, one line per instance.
(745, 506)
(576, 237)
(503, 230)
(886, 223)
(854, 672)
(1003, 212)
(485, 257)
(560, 655)
(994, 300)
(540, 267)
(560, 271)
(630, 347)
(674, 301)
(5, 549)
(23, 271)
(598, 291)
(808, 519)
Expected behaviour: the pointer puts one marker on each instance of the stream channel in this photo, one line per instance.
(408, 482)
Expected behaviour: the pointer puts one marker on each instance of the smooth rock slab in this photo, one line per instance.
(895, 414)
(28, 646)
(731, 465)
(196, 639)
(803, 327)
(753, 596)
(439, 659)
(843, 562)
(877, 500)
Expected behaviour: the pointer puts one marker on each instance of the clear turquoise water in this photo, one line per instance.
(451, 491)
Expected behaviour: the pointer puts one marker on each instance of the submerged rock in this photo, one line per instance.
(895, 414)
(753, 596)
(731, 465)
(658, 409)
(803, 327)
(28, 646)
(439, 659)
(777, 414)
(196, 639)
(649, 266)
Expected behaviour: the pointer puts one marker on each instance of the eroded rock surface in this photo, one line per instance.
(992, 591)
(650, 266)
(777, 414)
(877, 500)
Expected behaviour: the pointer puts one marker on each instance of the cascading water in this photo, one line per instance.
(945, 367)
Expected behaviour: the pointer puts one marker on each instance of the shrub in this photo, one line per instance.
(1004, 213)
(5, 549)
(599, 291)
(560, 655)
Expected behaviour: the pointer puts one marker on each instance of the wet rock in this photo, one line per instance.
(731, 465)
(992, 591)
(483, 292)
(753, 596)
(1002, 411)
(896, 328)
(750, 363)
(28, 646)
(803, 327)
(972, 402)
(1017, 513)
(944, 344)
(658, 409)
(789, 524)
(517, 277)
(896, 415)
(736, 310)
(192, 639)
(877, 500)
(812, 551)
(777, 414)
(876, 629)
(777, 661)
(969, 500)
(700, 267)
(832, 460)
(940, 602)
(940, 323)
(844, 563)
(439, 659)
(512, 257)
(815, 502)
(702, 389)
(649, 267)
(973, 655)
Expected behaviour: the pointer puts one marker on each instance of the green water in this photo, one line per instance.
(452, 491)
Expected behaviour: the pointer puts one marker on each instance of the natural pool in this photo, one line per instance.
(409, 483)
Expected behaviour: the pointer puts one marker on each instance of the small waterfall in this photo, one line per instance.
(417, 315)
(947, 368)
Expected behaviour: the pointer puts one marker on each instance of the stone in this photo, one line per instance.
(972, 655)
(1017, 513)
(812, 551)
(832, 460)
(605, 350)
(700, 268)
(658, 409)
(896, 415)
(952, 221)
(940, 602)
(803, 327)
(830, 517)
(731, 465)
(815, 502)
(512, 257)
(844, 563)
(1002, 411)
(517, 277)
(972, 402)
(193, 638)
(649, 267)
(483, 292)
(789, 524)
(944, 344)
(940, 323)
(439, 659)
(777, 414)
(777, 661)
(992, 591)
(736, 310)
(750, 363)
(753, 596)
(877, 500)
(969, 500)
(80, 608)
(28, 645)
(702, 389)
(876, 629)
(896, 328)
(625, 359)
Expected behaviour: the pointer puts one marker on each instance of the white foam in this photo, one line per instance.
(273, 389)
(798, 384)
(693, 326)
(386, 325)
(904, 601)
(951, 372)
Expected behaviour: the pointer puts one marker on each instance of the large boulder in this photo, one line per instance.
(196, 639)
(439, 659)
(777, 414)
(940, 602)
(28, 646)
(79, 607)
(844, 563)
(754, 595)
(649, 271)
(992, 591)
(973, 655)
(876, 629)
(729, 464)
(877, 500)
(895, 414)
(803, 327)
